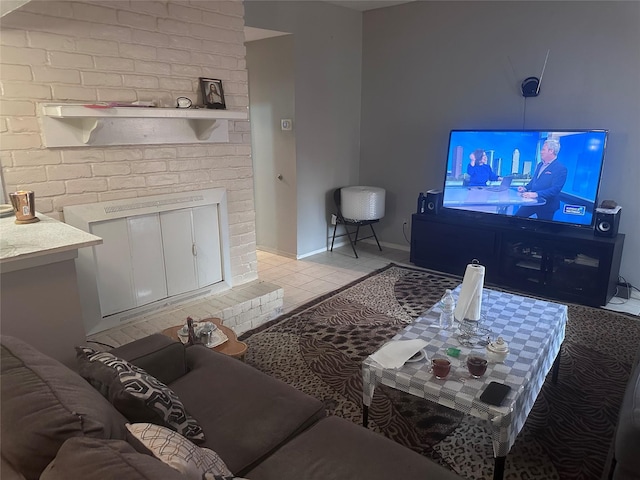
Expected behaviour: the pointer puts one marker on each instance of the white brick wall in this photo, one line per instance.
(131, 50)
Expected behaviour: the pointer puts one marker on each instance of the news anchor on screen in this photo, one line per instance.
(479, 172)
(547, 182)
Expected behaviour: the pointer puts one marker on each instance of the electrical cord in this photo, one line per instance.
(623, 300)
(404, 234)
(623, 282)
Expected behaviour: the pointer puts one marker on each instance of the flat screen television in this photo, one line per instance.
(549, 176)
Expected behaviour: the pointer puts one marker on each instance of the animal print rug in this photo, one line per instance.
(319, 349)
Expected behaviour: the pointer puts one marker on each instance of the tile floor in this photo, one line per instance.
(316, 275)
(305, 279)
(285, 283)
(301, 281)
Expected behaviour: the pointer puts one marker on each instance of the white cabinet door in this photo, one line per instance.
(206, 234)
(146, 258)
(191, 244)
(113, 259)
(147, 263)
(178, 247)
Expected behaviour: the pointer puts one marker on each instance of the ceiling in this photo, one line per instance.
(364, 5)
(251, 33)
(7, 6)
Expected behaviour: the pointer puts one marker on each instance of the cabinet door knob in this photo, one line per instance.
(279, 177)
(194, 250)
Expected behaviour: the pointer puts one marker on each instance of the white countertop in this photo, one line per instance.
(33, 244)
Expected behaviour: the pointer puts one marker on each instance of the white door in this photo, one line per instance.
(191, 244)
(272, 99)
(179, 249)
(147, 263)
(130, 263)
(113, 259)
(206, 234)
(146, 258)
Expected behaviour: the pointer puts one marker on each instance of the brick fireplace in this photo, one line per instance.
(102, 51)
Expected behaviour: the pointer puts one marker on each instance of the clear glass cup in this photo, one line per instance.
(441, 367)
(477, 364)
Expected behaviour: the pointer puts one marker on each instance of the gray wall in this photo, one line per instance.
(327, 59)
(272, 98)
(429, 67)
(41, 306)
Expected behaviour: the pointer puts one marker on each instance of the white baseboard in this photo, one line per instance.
(321, 250)
(275, 251)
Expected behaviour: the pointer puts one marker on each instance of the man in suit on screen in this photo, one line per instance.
(547, 182)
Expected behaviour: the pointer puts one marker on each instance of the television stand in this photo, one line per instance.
(562, 264)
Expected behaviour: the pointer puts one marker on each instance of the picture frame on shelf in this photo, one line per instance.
(212, 93)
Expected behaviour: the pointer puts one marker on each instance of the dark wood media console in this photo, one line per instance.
(562, 264)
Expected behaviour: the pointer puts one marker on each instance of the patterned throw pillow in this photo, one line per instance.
(176, 451)
(137, 395)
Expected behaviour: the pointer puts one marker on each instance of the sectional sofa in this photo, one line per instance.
(56, 425)
(624, 455)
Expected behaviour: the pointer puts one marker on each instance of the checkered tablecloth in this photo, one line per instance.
(534, 330)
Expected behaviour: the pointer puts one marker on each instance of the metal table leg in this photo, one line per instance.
(498, 468)
(556, 367)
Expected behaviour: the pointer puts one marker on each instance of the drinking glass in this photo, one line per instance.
(441, 367)
(477, 364)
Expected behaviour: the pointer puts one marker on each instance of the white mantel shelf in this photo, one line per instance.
(82, 111)
(73, 125)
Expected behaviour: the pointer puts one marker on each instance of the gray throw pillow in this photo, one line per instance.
(137, 395)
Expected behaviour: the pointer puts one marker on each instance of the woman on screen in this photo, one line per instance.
(478, 170)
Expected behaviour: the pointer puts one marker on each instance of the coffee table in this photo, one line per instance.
(534, 330)
(232, 347)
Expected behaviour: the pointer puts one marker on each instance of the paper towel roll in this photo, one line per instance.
(470, 298)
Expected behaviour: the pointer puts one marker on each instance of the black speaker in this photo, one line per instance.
(434, 201)
(607, 222)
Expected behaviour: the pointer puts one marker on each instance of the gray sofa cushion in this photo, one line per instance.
(7, 472)
(44, 403)
(244, 413)
(156, 354)
(95, 459)
(627, 441)
(336, 449)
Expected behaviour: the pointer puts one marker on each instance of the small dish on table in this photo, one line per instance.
(231, 346)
